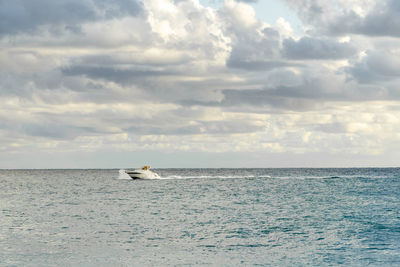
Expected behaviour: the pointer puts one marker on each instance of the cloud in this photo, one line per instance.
(382, 20)
(25, 16)
(276, 98)
(122, 76)
(163, 75)
(255, 46)
(259, 50)
(364, 17)
(312, 48)
(376, 66)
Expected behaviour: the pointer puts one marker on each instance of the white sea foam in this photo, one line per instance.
(123, 175)
(214, 177)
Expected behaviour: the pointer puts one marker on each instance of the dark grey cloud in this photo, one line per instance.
(256, 65)
(301, 97)
(127, 59)
(25, 15)
(118, 75)
(363, 74)
(376, 66)
(256, 52)
(289, 98)
(308, 95)
(332, 18)
(320, 49)
(383, 20)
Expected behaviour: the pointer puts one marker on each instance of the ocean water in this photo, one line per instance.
(194, 217)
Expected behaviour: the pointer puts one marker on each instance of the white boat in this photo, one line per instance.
(143, 173)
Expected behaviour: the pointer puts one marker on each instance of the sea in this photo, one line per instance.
(201, 217)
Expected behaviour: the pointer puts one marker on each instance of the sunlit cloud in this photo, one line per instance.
(166, 76)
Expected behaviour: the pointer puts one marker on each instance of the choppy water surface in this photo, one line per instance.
(224, 217)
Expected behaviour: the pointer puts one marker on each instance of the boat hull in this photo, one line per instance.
(142, 174)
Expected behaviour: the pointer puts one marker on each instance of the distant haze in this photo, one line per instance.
(188, 83)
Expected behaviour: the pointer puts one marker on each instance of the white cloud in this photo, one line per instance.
(166, 76)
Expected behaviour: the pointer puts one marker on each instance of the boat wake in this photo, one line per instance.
(123, 175)
(177, 177)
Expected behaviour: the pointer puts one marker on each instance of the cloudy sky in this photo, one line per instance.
(199, 83)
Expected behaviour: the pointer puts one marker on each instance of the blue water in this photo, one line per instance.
(191, 217)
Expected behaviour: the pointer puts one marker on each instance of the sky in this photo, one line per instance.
(189, 83)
